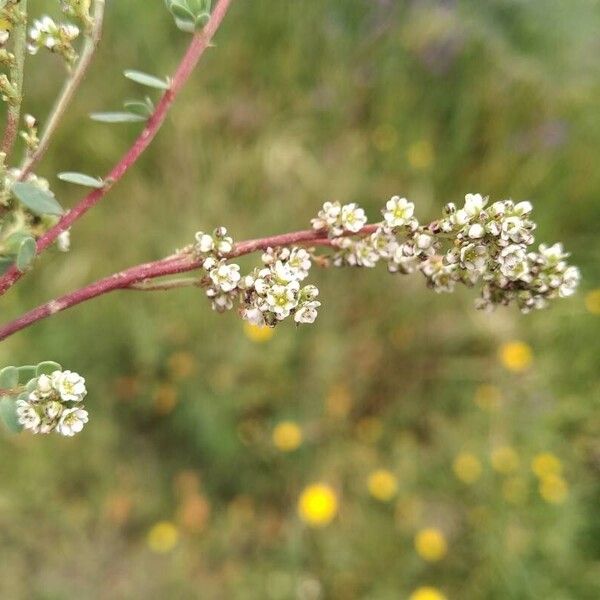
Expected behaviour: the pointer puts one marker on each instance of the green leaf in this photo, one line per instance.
(26, 254)
(81, 179)
(9, 378)
(39, 201)
(202, 20)
(8, 412)
(139, 107)
(47, 367)
(180, 11)
(5, 264)
(117, 117)
(26, 373)
(147, 80)
(31, 385)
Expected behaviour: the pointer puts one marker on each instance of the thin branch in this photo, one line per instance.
(68, 91)
(163, 286)
(198, 45)
(140, 277)
(16, 79)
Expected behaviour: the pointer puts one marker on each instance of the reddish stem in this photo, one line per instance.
(166, 266)
(199, 43)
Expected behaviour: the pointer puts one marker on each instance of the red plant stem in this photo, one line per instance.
(166, 266)
(198, 45)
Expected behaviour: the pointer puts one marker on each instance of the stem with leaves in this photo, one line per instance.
(200, 42)
(68, 91)
(16, 76)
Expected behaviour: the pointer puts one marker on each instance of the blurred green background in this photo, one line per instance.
(458, 450)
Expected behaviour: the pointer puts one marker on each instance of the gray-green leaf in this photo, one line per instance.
(147, 80)
(47, 367)
(117, 117)
(41, 202)
(8, 412)
(81, 179)
(26, 372)
(9, 378)
(26, 254)
(139, 107)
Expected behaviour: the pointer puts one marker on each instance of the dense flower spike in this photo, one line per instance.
(53, 403)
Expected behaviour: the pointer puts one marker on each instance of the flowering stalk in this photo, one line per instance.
(68, 91)
(16, 73)
(198, 45)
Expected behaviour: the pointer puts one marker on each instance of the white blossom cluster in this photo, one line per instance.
(58, 38)
(268, 294)
(489, 245)
(54, 403)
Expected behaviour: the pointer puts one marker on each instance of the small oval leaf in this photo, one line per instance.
(8, 412)
(41, 202)
(139, 108)
(81, 179)
(147, 80)
(26, 372)
(9, 378)
(116, 117)
(47, 367)
(26, 254)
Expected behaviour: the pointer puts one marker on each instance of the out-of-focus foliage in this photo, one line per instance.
(424, 444)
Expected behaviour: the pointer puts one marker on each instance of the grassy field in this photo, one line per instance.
(403, 441)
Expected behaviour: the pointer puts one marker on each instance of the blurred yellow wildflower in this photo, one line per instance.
(338, 401)
(181, 365)
(382, 485)
(257, 333)
(420, 155)
(514, 490)
(553, 489)
(516, 356)
(287, 436)
(505, 459)
(163, 537)
(430, 544)
(318, 504)
(427, 593)
(592, 301)
(467, 467)
(165, 398)
(545, 464)
(488, 397)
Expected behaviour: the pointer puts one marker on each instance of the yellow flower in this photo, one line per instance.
(163, 537)
(546, 464)
(516, 356)
(318, 504)
(488, 397)
(427, 593)
(420, 155)
(382, 485)
(467, 467)
(505, 459)
(430, 544)
(257, 333)
(592, 301)
(514, 490)
(287, 436)
(553, 489)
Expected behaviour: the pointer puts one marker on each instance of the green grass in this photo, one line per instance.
(302, 102)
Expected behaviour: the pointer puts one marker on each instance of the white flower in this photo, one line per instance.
(28, 416)
(72, 421)
(459, 218)
(473, 257)
(299, 261)
(44, 386)
(476, 231)
(513, 262)
(523, 208)
(328, 217)
(70, 385)
(474, 204)
(570, 282)
(225, 277)
(553, 254)
(514, 229)
(281, 299)
(398, 211)
(307, 313)
(53, 409)
(353, 217)
(204, 242)
(253, 315)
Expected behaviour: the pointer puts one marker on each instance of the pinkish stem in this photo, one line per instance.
(199, 43)
(171, 265)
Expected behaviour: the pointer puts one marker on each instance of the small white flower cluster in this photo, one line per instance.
(58, 38)
(54, 403)
(487, 245)
(268, 294)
